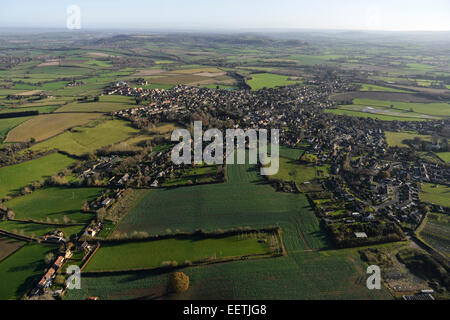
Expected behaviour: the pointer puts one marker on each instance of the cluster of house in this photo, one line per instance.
(122, 88)
(74, 83)
(409, 170)
(149, 171)
(93, 230)
(372, 175)
(54, 236)
(45, 283)
(101, 164)
(47, 280)
(105, 200)
(256, 107)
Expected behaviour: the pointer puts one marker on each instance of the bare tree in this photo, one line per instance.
(10, 215)
(49, 257)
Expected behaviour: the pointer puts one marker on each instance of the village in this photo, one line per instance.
(368, 194)
(201, 153)
(370, 179)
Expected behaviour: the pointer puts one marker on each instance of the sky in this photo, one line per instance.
(386, 15)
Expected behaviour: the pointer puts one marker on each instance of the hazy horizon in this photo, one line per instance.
(232, 15)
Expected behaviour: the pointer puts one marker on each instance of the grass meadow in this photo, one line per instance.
(311, 270)
(7, 124)
(334, 274)
(291, 170)
(270, 80)
(20, 270)
(8, 246)
(372, 87)
(40, 109)
(153, 254)
(245, 200)
(105, 104)
(46, 126)
(436, 194)
(432, 109)
(87, 139)
(436, 232)
(15, 177)
(36, 230)
(444, 156)
(396, 139)
(54, 203)
(372, 115)
(310, 60)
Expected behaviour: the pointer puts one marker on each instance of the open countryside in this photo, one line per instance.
(87, 178)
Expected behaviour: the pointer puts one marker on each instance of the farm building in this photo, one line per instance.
(46, 280)
(360, 235)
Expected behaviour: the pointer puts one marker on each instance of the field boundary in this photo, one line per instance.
(50, 224)
(433, 252)
(57, 134)
(181, 235)
(38, 156)
(173, 268)
(24, 238)
(276, 231)
(87, 259)
(134, 203)
(11, 253)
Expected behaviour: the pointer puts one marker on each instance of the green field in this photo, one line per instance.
(153, 86)
(221, 86)
(304, 273)
(82, 140)
(88, 89)
(372, 87)
(61, 75)
(432, 109)
(15, 177)
(387, 112)
(291, 154)
(310, 60)
(437, 194)
(299, 275)
(54, 203)
(40, 109)
(436, 232)
(45, 126)
(50, 101)
(395, 139)
(100, 106)
(8, 246)
(371, 115)
(444, 156)
(163, 61)
(198, 174)
(291, 170)
(37, 230)
(246, 200)
(269, 80)
(19, 271)
(420, 66)
(152, 254)
(7, 124)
